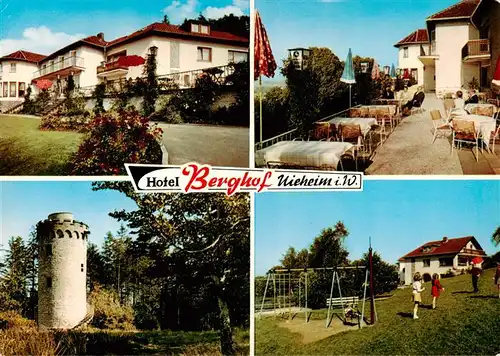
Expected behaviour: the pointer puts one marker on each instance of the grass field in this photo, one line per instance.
(25, 150)
(464, 323)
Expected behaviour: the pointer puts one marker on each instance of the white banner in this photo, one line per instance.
(194, 177)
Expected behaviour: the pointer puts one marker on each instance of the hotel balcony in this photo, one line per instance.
(428, 54)
(476, 51)
(111, 70)
(60, 68)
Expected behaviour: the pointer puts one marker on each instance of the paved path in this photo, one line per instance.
(408, 150)
(214, 145)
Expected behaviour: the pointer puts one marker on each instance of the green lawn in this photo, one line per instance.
(464, 323)
(25, 150)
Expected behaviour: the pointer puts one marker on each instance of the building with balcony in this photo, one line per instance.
(439, 257)
(182, 52)
(16, 70)
(454, 50)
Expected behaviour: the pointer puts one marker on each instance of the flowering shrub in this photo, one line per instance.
(56, 122)
(115, 139)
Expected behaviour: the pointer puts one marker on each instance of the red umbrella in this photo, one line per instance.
(131, 61)
(496, 76)
(43, 84)
(406, 74)
(264, 60)
(477, 260)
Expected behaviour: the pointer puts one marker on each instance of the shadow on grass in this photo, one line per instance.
(405, 315)
(463, 292)
(484, 297)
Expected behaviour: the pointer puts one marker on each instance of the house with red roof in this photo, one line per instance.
(441, 256)
(16, 72)
(180, 50)
(453, 50)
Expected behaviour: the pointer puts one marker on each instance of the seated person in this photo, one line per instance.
(459, 101)
(417, 101)
(388, 94)
(473, 98)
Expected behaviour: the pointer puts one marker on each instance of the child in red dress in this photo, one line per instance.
(436, 289)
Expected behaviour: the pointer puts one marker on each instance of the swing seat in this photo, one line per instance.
(338, 305)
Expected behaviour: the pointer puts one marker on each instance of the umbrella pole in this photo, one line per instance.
(349, 96)
(260, 108)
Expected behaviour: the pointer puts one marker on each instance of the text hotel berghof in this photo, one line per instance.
(193, 177)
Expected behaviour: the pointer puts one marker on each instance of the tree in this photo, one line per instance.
(98, 94)
(327, 249)
(204, 254)
(166, 20)
(14, 292)
(151, 90)
(238, 25)
(496, 236)
(29, 105)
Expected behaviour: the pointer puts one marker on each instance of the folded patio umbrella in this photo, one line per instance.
(496, 76)
(375, 71)
(264, 63)
(477, 260)
(348, 74)
(393, 71)
(43, 84)
(406, 74)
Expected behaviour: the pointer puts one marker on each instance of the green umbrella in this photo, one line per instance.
(393, 71)
(348, 75)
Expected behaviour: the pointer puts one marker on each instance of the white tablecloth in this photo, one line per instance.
(365, 123)
(303, 153)
(484, 125)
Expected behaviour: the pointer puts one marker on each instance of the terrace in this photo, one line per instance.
(62, 67)
(476, 51)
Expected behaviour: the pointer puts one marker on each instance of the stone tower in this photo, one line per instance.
(62, 271)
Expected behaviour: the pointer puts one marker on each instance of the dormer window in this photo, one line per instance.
(195, 27)
(204, 29)
(199, 28)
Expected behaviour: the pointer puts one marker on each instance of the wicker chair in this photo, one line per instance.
(465, 132)
(320, 131)
(440, 125)
(485, 111)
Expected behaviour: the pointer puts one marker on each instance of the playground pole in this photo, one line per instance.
(264, 297)
(274, 289)
(290, 297)
(330, 304)
(364, 298)
(306, 297)
(372, 293)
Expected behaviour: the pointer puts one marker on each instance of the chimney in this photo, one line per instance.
(445, 239)
(100, 35)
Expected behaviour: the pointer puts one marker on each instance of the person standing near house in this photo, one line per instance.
(436, 289)
(417, 293)
(497, 278)
(475, 272)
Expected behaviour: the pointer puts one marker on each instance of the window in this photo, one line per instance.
(195, 27)
(12, 67)
(49, 282)
(21, 89)
(204, 29)
(5, 89)
(13, 89)
(59, 234)
(114, 57)
(1, 68)
(462, 261)
(446, 262)
(236, 56)
(405, 52)
(48, 250)
(414, 74)
(427, 262)
(204, 54)
(81, 267)
(69, 234)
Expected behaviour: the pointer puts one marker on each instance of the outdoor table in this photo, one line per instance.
(392, 108)
(470, 107)
(484, 125)
(365, 123)
(303, 153)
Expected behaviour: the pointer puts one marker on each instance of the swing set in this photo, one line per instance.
(287, 291)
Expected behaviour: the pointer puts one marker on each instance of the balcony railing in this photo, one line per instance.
(476, 48)
(110, 66)
(187, 79)
(428, 50)
(59, 65)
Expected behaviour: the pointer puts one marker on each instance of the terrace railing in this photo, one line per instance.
(476, 48)
(110, 66)
(59, 65)
(292, 134)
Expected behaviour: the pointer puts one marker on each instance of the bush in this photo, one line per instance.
(167, 111)
(113, 140)
(108, 313)
(56, 122)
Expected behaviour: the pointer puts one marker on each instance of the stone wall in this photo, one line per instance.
(62, 271)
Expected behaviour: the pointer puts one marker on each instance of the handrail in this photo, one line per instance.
(72, 61)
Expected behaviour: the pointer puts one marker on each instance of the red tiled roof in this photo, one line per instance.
(158, 27)
(464, 8)
(419, 36)
(451, 246)
(25, 56)
(95, 40)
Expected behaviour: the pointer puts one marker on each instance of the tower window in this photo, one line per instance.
(49, 282)
(48, 250)
(69, 233)
(81, 267)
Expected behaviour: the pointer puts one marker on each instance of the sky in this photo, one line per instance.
(399, 216)
(23, 204)
(45, 26)
(369, 27)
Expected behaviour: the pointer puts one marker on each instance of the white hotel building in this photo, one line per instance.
(91, 60)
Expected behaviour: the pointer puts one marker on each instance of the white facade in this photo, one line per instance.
(408, 58)
(15, 76)
(62, 274)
